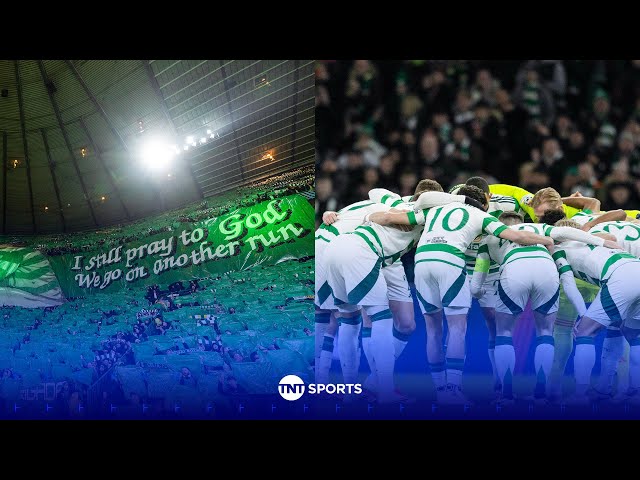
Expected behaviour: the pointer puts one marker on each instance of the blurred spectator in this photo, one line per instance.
(576, 149)
(581, 179)
(619, 195)
(371, 150)
(437, 93)
(325, 196)
(462, 110)
(463, 153)
(553, 76)
(562, 130)
(386, 174)
(534, 97)
(485, 88)
(408, 182)
(628, 153)
(551, 161)
(600, 126)
(514, 123)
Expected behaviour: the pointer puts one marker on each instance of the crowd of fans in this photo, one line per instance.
(277, 186)
(189, 332)
(146, 324)
(570, 124)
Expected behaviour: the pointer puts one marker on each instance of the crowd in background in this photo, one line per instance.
(277, 186)
(570, 124)
(86, 339)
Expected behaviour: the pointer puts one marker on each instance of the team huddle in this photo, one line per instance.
(474, 242)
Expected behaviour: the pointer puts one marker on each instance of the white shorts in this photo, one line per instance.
(441, 285)
(488, 300)
(324, 297)
(353, 272)
(528, 278)
(618, 302)
(397, 284)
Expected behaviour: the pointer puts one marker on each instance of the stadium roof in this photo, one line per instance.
(72, 132)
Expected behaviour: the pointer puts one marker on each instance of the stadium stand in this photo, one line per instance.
(210, 339)
(570, 124)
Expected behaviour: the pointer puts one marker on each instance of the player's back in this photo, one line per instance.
(627, 234)
(349, 218)
(497, 205)
(504, 251)
(390, 243)
(583, 217)
(590, 263)
(502, 203)
(448, 231)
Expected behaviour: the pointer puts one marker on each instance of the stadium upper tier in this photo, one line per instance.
(86, 144)
(298, 180)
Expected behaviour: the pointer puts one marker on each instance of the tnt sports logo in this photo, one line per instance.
(292, 387)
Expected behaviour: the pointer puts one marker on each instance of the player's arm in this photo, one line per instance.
(605, 235)
(498, 229)
(384, 196)
(520, 195)
(437, 199)
(396, 218)
(583, 203)
(569, 282)
(483, 261)
(610, 216)
(523, 237)
(563, 234)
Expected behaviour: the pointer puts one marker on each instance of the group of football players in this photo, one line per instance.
(570, 263)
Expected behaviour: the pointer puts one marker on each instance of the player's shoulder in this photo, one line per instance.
(509, 190)
(356, 205)
(536, 224)
(473, 211)
(498, 198)
(571, 212)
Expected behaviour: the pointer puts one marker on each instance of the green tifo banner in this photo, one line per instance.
(26, 279)
(265, 233)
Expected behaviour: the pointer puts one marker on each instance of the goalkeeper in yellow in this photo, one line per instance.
(549, 199)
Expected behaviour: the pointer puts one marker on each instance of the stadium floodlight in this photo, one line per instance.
(157, 154)
(208, 132)
(203, 140)
(190, 139)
